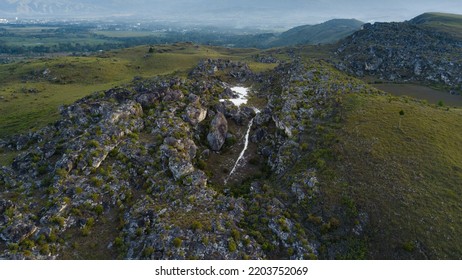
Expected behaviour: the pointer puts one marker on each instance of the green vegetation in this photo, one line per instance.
(407, 179)
(388, 167)
(450, 23)
(327, 32)
(177, 242)
(31, 91)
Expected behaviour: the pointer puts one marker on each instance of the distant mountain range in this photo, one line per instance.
(47, 8)
(324, 33)
(327, 32)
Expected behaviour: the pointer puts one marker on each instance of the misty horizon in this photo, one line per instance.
(237, 13)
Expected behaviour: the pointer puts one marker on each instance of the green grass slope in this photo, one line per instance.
(405, 174)
(449, 23)
(327, 32)
(32, 91)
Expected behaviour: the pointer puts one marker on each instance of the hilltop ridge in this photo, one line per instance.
(144, 167)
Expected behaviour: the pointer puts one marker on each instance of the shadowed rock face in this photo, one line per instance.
(402, 52)
(218, 130)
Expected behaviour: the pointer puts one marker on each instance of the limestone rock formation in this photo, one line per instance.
(218, 130)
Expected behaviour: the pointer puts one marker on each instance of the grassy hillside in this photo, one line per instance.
(327, 32)
(450, 23)
(405, 174)
(392, 165)
(32, 91)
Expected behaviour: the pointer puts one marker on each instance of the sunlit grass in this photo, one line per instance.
(32, 91)
(408, 178)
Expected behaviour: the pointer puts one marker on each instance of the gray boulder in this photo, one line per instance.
(218, 130)
(180, 167)
(195, 114)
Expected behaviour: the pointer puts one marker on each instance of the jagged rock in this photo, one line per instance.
(218, 131)
(402, 52)
(195, 114)
(197, 178)
(119, 94)
(190, 147)
(173, 95)
(287, 128)
(66, 162)
(228, 94)
(258, 135)
(147, 100)
(180, 167)
(132, 172)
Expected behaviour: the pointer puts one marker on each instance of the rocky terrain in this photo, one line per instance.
(403, 52)
(316, 165)
(126, 173)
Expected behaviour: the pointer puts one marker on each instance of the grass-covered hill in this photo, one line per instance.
(127, 153)
(449, 23)
(32, 90)
(404, 171)
(328, 32)
(334, 168)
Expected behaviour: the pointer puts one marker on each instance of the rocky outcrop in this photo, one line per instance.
(218, 131)
(129, 153)
(195, 113)
(236, 70)
(129, 172)
(403, 52)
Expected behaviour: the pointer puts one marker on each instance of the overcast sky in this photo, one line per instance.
(245, 12)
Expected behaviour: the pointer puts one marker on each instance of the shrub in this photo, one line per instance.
(236, 234)
(201, 164)
(96, 181)
(196, 225)
(177, 242)
(409, 246)
(61, 172)
(28, 244)
(93, 144)
(45, 249)
(99, 209)
(118, 242)
(9, 212)
(148, 251)
(58, 220)
(90, 222)
(13, 247)
(232, 245)
(85, 230)
(314, 219)
(290, 251)
(98, 131)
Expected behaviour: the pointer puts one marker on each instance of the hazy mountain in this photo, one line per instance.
(48, 8)
(285, 14)
(324, 33)
(327, 32)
